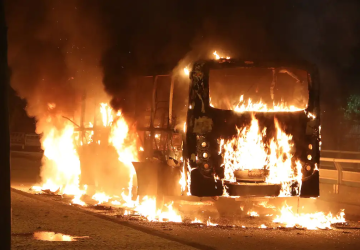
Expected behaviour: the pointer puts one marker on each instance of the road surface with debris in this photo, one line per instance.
(33, 213)
(109, 229)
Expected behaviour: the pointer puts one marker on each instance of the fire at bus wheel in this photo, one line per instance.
(157, 179)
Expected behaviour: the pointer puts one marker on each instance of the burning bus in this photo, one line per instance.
(252, 130)
(229, 128)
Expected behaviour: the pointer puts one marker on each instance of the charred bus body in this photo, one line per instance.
(214, 117)
(209, 121)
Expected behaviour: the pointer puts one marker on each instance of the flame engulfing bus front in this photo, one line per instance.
(253, 129)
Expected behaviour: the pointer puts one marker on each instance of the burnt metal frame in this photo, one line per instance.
(82, 129)
(154, 102)
(157, 178)
(199, 102)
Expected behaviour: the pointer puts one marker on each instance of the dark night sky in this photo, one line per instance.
(62, 39)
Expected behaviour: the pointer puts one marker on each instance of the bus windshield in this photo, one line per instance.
(258, 89)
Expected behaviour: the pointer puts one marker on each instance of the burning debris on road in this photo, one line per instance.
(145, 210)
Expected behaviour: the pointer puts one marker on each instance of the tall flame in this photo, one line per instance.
(127, 152)
(106, 114)
(62, 162)
(248, 151)
(61, 165)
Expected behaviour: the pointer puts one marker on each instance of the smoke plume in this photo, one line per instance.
(53, 53)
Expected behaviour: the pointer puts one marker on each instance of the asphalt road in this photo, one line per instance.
(33, 213)
(107, 230)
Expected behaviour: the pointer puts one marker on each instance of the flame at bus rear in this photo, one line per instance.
(249, 151)
(263, 107)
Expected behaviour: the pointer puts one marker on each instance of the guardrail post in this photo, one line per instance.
(339, 174)
(339, 169)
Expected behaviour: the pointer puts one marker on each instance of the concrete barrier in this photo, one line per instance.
(17, 140)
(32, 140)
(25, 142)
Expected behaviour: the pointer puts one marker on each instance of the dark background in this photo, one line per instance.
(55, 46)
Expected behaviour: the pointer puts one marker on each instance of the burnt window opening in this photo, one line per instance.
(285, 88)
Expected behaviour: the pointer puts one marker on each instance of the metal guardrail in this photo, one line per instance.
(21, 141)
(341, 170)
(340, 152)
(340, 173)
(17, 139)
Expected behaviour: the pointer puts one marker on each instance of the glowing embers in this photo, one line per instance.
(243, 106)
(249, 150)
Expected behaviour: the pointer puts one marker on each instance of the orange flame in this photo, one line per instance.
(186, 71)
(101, 198)
(310, 221)
(147, 208)
(196, 221)
(61, 165)
(106, 114)
(182, 180)
(242, 106)
(127, 152)
(248, 151)
(209, 223)
(217, 57)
